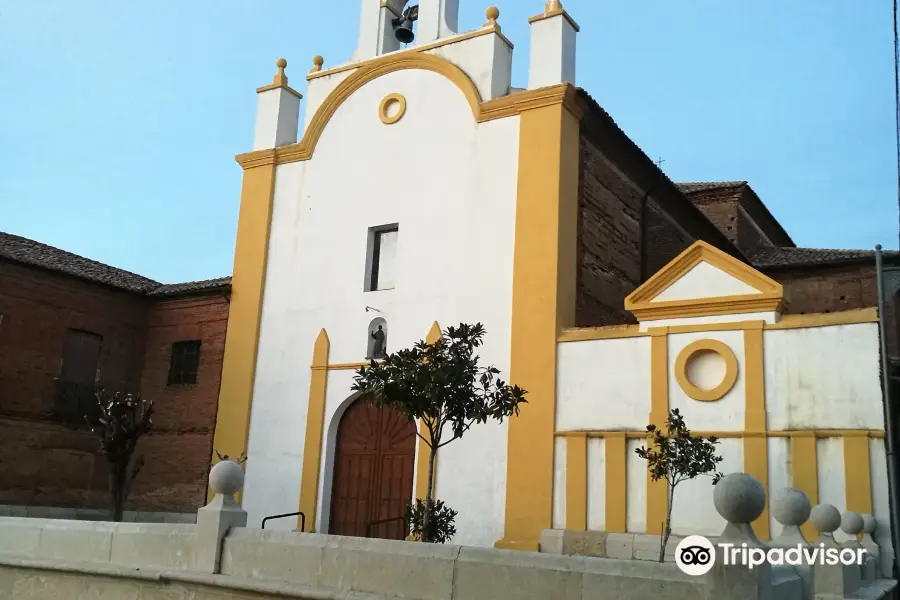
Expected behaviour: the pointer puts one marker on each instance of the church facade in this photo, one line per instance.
(425, 191)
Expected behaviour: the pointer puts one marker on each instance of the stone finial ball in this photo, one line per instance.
(739, 498)
(318, 60)
(825, 518)
(226, 477)
(790, 506)
(281, 63)
(869, 524)
(492, 13)
(852, 523)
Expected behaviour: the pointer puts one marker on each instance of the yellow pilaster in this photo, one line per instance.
(616, 497)
(544, 282)
(315, 424)
(805, 474)
(434, 334)
(576, 482)
(658, 491)
(242, 334)
(756, 448)
(857, 476)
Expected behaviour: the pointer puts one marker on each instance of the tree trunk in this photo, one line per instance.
(429, 497)
(115, 494)
(668, 527)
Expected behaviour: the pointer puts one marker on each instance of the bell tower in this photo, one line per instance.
(437, 19)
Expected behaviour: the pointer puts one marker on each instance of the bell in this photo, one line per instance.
(403, 29)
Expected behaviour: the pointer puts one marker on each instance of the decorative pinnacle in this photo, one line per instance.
(552, 5)
(492, 14)
(318, 61)
(280, 78)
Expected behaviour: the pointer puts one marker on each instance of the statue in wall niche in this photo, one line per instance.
(378, 350)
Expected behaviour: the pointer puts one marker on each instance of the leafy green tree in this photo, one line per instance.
(676, 455)
(442, 386)
(123, 419)
(441, 522)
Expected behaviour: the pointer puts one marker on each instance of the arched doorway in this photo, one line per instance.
(373, 471)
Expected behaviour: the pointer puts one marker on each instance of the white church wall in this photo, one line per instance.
(767, 317)
(318, 89)
(693, 512)
(704, 281)
(823, 378)
(830, 474)
(559, 483)
(487, 59)
(603, 384)
(726, 414)
(779, 460)
(596, 484)
(450, 184)
(636, 488)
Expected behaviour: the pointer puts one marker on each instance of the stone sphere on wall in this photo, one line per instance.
(226, 477)
(790, 506)
(825, 517)
(739, 498)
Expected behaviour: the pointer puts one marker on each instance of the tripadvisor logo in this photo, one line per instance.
(696, 555)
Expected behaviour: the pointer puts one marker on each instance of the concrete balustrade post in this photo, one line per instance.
(219, 516)
(852, 525)
(791, 508)
(830, 582)
(873, 551)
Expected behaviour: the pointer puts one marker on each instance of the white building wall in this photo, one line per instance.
(451, 185)
(693, 512)
(596, 484)
(704, 281)
(603, 385)
(559, 483)
(881, 502)
(779, 473)
(636, 488)
(823, 378)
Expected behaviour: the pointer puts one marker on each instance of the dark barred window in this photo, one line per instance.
(185, 361)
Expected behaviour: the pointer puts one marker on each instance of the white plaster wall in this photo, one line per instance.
(450, 183)
(830, 472)
(559, 483)
(486, 59)
(779, 474)
(552, 58)
(726, 414)
(636, 485)
(277, 119)
(693, 512)
(823, 378)
(603, 385)
(317, 91)
(880, 502)
(705, 281)
(768, 317)
(596, 484)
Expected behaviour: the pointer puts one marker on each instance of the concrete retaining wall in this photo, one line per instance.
(93, 514)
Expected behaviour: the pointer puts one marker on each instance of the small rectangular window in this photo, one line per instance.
(184, 363)
(381, 259)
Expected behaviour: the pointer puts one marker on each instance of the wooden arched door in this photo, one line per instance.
(373, 471)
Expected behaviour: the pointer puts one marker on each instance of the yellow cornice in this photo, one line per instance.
(848, 317)
(811, 433)
(493, 29)
(641, 304)
(506, 106)
(611, 332)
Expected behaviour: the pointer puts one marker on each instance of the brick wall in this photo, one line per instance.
(664, 240)
(46, 463)
(179, 451)
(610, 209)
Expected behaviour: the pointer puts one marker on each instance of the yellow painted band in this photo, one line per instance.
(857, 476)
(756, 448)
(812, 433)
(616, 498)
(543, 303)
(657, 491)
(245, 312)
(805, 475)
(692, 350)
(315, 424)
(576, 483)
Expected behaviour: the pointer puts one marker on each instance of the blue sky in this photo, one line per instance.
(119, 121)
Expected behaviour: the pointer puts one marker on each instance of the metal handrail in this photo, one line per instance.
(372, 524)
(284, 516)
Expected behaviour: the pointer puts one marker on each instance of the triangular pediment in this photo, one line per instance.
(704, 281)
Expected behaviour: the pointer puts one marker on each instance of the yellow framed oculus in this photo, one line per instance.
(707, 351)
(392, 108)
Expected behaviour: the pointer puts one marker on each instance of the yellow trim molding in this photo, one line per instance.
(576, 483)
(315, 424)
(610, 332)
(805, 473)
(616, 482)
(242, 334)
(692, 350)
(641, 301)
(389, 101)
(857, 476)
(756, 447)
(507, 106)
(657, 491)
(434, 334)
(555, 12)
(875, 434)
(543, 304)
(414, 50)
(847, 317)
(280, 81)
